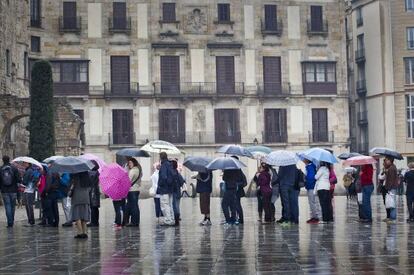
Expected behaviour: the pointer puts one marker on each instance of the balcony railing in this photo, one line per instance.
(199, 89)
(121, 89)
(322, 137)
(361, 87)
(121, 138)
(226, 137)
(272, 29)
(360, 55)
(36, 22)
(362, 118)
(70, 24)
(119, 25)
(317, 29)
(71, 88)
(270, 89)
(274, 137)
(177, 137)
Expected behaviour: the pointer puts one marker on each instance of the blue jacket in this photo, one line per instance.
(205, 182)
(310, 176)
(165, 179)
(178, 181)
(287, 175)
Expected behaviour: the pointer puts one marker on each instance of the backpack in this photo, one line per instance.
(300, 179)
(6, 176)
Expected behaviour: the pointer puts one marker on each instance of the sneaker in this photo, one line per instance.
(314, 221)
(67, 224)
(117, 226)
(385, 220)
(205, 222)
(391, 221)
(281, 220)
(310, 220)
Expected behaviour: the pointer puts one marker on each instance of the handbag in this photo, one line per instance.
(389, 200)
(359, 196)
(152, 192)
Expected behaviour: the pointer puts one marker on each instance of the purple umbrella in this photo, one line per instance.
(98, 160)
(114, 181)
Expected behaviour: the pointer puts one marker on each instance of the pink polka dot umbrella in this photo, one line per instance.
(114, 181)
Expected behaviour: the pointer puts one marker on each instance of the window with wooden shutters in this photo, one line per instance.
(316, 19)
(120, 83)
(320, 125)
(227, 126)
(69, 15)
(168, 12)
(35, 13)
(122, 127)
(172, 125)
(270, 17)
(81, 115)
(225, 74)
(170, 74)
(223, 11)
(119, 16)
(272, 78)
(275, 125)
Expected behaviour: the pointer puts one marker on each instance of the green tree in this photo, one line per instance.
(41, 125)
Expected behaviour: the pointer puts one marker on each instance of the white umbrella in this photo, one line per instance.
(281, 158)
(158, 146)
(28, 160)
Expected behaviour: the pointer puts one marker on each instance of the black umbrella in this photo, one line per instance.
(225, 163)
(133, 152)
(386, 152)
(347, 155)
(71, 165)
(197, 164)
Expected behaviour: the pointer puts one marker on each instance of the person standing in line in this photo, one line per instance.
(310, 172)
(178, 182)
(409, 180)
(332, 181)
(30, 180)
(51, 197)
(367, 186)
(153, 191)
(44, 202)
(9, 183)
(204, 188)
(132, 207)
(389, 178)
(263, 181)
(322, 187)
(288, 194)
(80, 209)
(165, 189)
(65, 180)
(94, 195)
(275, 190)
(228, 203)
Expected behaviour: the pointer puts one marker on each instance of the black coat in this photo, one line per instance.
(16, 181)
(94, 194)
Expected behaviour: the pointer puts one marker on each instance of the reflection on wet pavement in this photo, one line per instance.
(343, 247)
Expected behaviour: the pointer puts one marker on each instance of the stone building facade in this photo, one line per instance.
(200, 73)
(380, 42)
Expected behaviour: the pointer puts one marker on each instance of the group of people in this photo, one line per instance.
(80, 193)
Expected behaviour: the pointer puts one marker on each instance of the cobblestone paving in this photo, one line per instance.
(345, 247)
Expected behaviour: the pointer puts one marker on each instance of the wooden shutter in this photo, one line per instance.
(227, 126)
(270, 17)
(123, 128)
(170, 74)
(119, 15)
(225, 74)
(275, 125)
(320, 125)
(69, 15)
(168, 12)
(172, 125)
(272, 77)
(120, 75)
(316, 18)
(223, 12)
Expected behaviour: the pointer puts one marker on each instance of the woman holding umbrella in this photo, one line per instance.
(322, 188)
(80, 210)
(132, 207)
(389, 180)
(204, 188)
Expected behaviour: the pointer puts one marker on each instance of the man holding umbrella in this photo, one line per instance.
(165, 189)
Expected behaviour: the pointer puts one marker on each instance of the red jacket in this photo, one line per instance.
(367, 172)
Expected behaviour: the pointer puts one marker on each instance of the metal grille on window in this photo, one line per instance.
(270, 17)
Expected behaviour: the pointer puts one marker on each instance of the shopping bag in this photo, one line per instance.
(389, 200)
(359, 197)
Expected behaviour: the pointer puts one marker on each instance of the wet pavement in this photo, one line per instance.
(344, 247)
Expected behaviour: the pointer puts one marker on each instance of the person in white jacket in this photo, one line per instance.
(153, 191)
(322, 186)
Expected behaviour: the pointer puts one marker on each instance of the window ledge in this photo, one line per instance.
(169, 21)
(217, 22)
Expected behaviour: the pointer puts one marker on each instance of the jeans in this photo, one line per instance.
(66, 204)
(176, 204)
(315, 211)
(326, 205)
(94, 215)
(119, 207)
(228, 205)
(132, 208)
(9, 200)
(366, 201)
(51, 210)
(157, 204)
(166, 201)
(290, 205)
(393, 211)
(239, 209)
(29, 201)
(410, 204)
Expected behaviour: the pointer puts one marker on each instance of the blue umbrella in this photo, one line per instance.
(225, 163)
(133, 152)
(235, 150)
(318, 154)
(197, 164)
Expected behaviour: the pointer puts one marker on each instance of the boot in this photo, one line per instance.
(177, 220)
